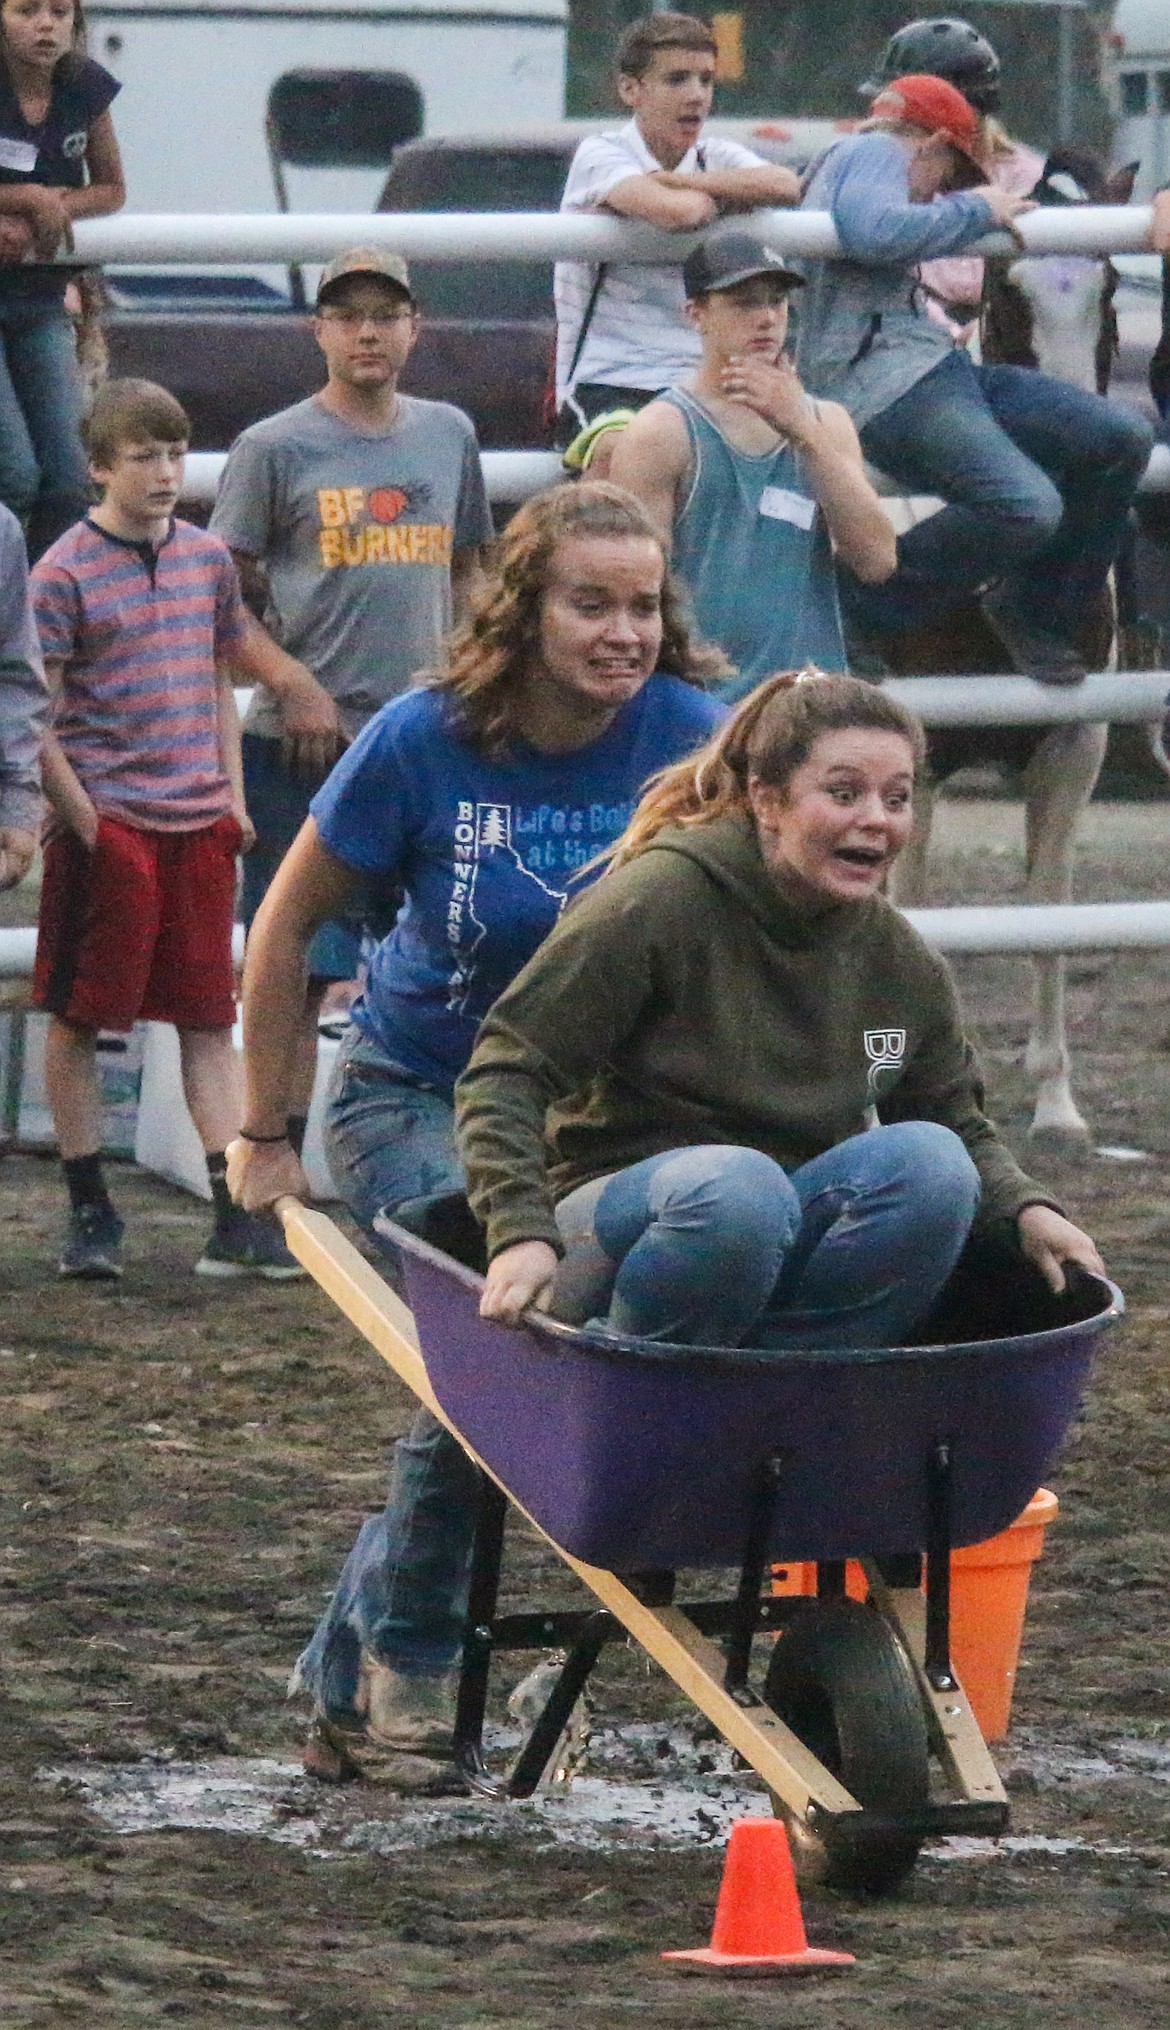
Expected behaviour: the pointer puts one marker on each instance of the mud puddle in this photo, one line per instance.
(692, 1799)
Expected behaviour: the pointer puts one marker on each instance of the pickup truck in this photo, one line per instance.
(234, 350)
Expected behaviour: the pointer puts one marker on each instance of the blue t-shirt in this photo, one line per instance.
(487, 850)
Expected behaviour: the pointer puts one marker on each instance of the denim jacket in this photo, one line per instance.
(864, 336)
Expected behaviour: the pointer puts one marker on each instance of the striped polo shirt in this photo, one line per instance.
(139, 632)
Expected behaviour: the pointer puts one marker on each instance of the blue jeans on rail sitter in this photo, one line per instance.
(44, 477)
(1039, 477)
(402, 1592)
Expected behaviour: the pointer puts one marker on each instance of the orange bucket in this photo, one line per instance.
(989, 1598)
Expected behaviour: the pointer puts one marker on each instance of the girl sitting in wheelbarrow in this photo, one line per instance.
(730, 1101)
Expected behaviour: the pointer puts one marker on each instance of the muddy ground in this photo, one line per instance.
(183, 1466)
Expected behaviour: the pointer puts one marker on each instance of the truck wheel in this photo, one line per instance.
(844, 1684)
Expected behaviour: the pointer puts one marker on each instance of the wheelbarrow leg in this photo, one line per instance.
(923, 1622)
(483, 1591)
(533, 1758)
(746, 1612)
(937, 1652)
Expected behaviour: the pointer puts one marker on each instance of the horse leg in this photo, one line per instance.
(908, 881)
(1058, 784)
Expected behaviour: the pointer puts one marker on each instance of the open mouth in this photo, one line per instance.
(868, 859)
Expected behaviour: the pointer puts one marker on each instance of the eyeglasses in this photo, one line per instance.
(376, 317)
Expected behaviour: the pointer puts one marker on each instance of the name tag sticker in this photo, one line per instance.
(19, 155)
(781, 505)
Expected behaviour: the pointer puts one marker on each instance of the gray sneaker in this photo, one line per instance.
(249, 1244)
(92, 1248)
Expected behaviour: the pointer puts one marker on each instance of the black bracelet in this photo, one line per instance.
(261, 1140)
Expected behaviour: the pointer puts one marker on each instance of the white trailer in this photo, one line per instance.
(199, 78)
(1140, 41)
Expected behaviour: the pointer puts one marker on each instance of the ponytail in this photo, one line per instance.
(767, 737)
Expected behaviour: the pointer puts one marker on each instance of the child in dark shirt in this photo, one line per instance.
(59, 161)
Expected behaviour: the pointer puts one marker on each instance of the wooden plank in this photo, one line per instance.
(955, 1732)
(694, 1662)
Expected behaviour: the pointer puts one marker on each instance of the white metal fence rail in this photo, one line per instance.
(512, 476)
(1021, 929)
(219, 238)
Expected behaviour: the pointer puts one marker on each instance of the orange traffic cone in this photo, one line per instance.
(758, 1925)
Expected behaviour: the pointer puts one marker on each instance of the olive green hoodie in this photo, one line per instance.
(690, 997)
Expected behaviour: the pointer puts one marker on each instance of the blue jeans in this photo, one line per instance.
(718, 1246)
(44, 477)
(1038, 477)
(278, 804)
(402, 1592)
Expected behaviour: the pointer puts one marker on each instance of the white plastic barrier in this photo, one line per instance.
(221, 238)
(143, 1110)
(165, 1141)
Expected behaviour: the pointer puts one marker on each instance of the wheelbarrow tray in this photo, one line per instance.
(636, 1456)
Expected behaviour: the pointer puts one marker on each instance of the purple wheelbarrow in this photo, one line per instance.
(638, 1461)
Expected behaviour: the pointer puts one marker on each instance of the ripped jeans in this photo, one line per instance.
(718, 1246)
(402, 1591)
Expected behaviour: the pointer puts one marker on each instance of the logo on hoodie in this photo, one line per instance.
(886, 1051)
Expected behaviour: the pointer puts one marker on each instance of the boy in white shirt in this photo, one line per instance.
(622, 333)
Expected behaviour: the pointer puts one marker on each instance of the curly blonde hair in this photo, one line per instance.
(491, 654)
(767, 738)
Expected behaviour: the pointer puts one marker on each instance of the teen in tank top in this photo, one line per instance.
(763, 491)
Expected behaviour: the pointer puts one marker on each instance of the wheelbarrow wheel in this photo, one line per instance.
(843, 1683)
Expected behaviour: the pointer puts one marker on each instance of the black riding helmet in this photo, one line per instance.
(941, 48)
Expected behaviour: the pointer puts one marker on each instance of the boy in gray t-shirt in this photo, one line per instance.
(358, 533)
(356, 519)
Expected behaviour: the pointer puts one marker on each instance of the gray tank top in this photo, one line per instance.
(752, 548)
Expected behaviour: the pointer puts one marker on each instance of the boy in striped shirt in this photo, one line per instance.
(142, 627)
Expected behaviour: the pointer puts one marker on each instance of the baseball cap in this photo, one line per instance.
(377, 261)
(723, 259)
(930, 102)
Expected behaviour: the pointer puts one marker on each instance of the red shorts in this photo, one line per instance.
(139, 929)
